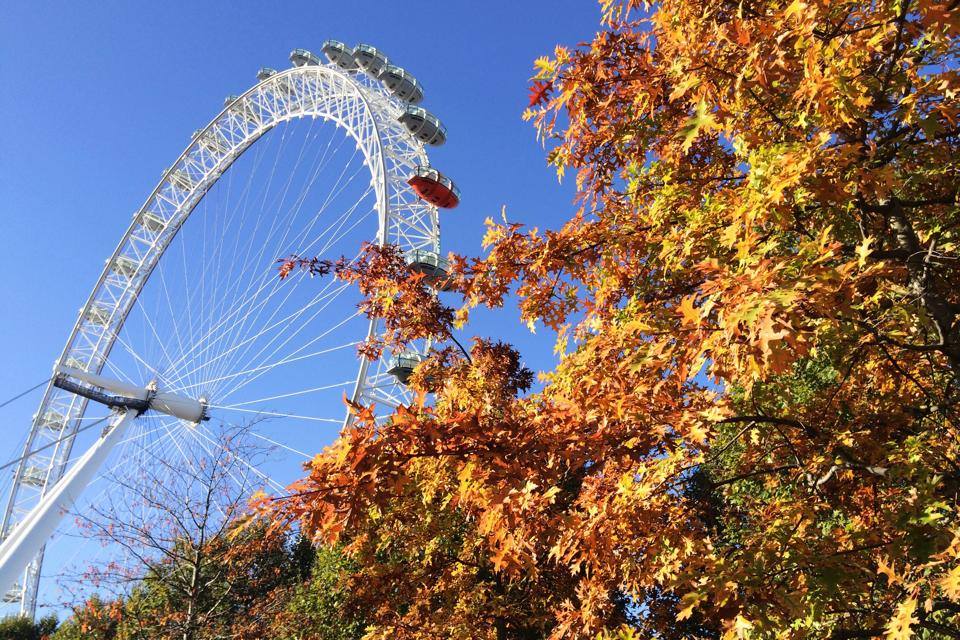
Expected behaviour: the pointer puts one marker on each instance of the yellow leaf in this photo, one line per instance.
(739, 630)
(885, 569)
(544, 66)
(950, 584)
(697, 433)
(899, 626)
(690, 602)
(702, 120)
(689, 81)
(691, 315)
(795, 10)
(863, 251)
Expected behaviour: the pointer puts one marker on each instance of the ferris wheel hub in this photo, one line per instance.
(132, 397)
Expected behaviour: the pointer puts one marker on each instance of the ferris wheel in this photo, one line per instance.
(189, 328)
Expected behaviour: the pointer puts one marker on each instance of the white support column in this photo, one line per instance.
(32, 533)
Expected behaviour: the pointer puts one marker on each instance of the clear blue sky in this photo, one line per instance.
(99, 97)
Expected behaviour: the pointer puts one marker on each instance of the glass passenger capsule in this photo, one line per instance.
(403, 364)
(265, 72)
(425, 126)
(370, 59)
(434, 187)
(211, 142)
(181, 180)
(302, 58)
(13, 595)
(433, 266)
(340, 54)
(76, 363)
(242, 109)
(401, 84)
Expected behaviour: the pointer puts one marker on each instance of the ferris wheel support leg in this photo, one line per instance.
(32, 533)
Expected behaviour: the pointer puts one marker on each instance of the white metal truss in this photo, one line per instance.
(355, 103)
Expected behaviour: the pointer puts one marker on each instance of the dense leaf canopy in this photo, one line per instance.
(752, 429)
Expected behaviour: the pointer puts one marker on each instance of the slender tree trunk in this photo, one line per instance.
(188, 631)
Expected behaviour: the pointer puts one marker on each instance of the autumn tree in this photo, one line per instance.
(272, 585)
(94, 619)
(320, 604)
(23, 628)
(752, 430)
(167, 524)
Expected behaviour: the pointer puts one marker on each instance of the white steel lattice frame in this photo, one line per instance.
(356, 104)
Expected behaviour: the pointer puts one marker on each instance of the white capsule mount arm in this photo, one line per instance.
(26, 540)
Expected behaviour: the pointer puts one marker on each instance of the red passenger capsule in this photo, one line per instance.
(435, 188)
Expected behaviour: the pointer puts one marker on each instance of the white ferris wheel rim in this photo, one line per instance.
(358, 107)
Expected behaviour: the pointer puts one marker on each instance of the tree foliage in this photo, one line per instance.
(264, 584)
(752, 429)
(23, 628)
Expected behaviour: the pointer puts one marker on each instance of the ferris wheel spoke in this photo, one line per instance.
(277, 414)
(189, 309)
(217, 271)
(292, 212)
(385, 387)
(265, 282)
(241, 384)
(283, 323)
(169, 306)
(222, 209)
(323, 249)
(242, 307)
(270, 365)
(203, 271)
(209, 341)
(280, 445)
(153, 329)
(326, 300)
(325, 333)
(139, 359)
(278, 222)
(291, 394)
(245, 341)
(269, 272)
(115, 370)
(237, 220)
(328, 245)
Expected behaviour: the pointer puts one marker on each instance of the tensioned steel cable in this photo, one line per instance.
(20, 395)
(57, 441)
